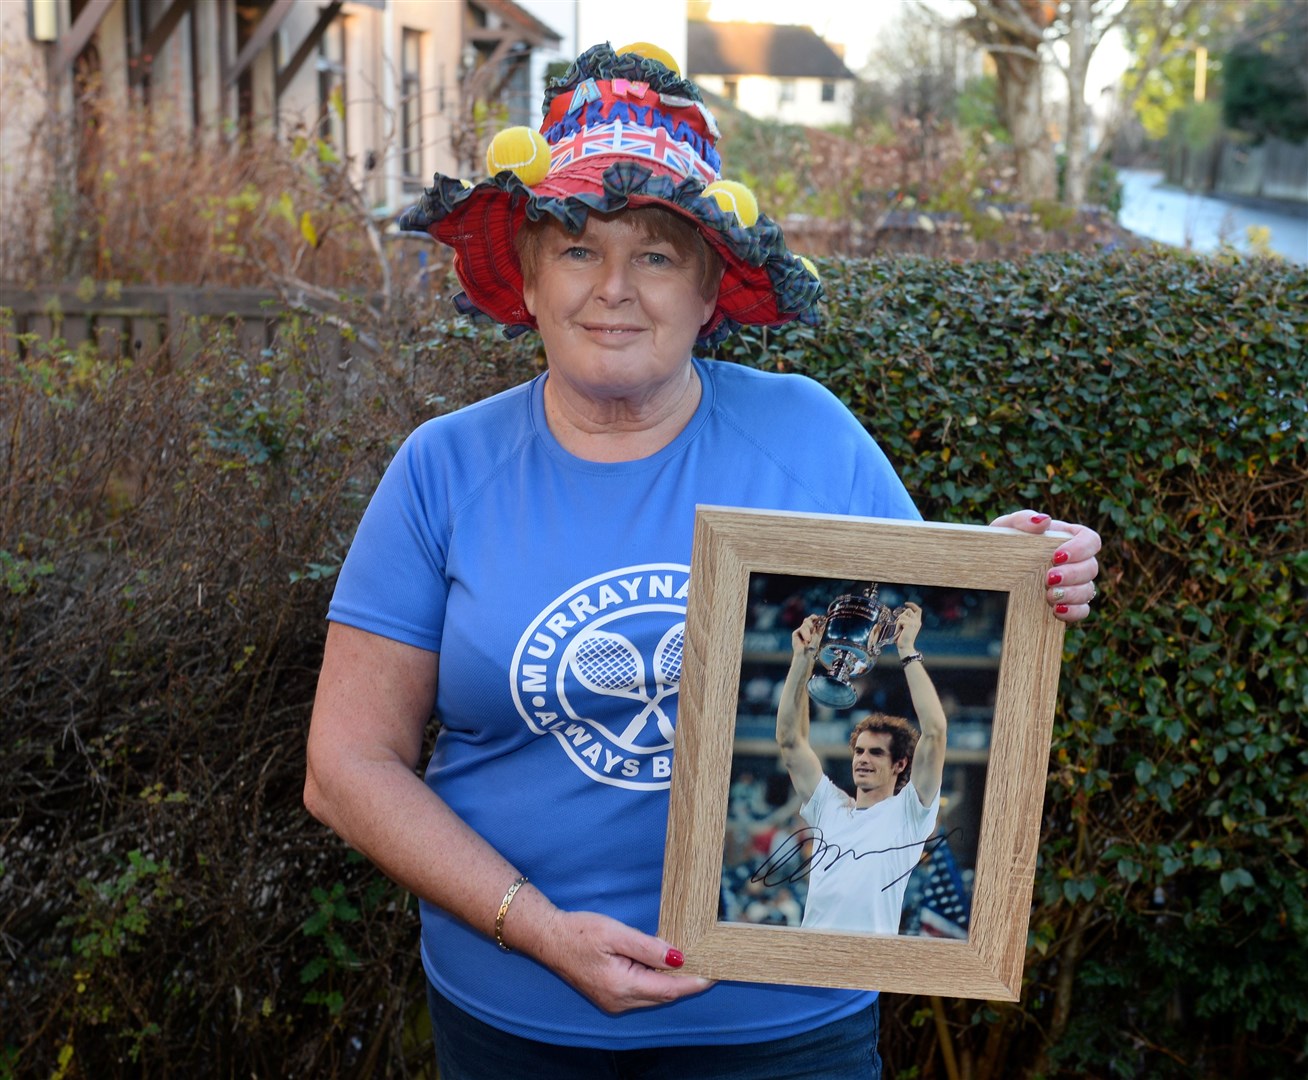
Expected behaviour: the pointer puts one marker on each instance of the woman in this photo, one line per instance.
(534, 548)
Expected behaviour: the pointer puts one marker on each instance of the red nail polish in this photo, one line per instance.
(1039, 519)
(1054, 578)
(1061, 609)
(1060, 557)
(674, 958)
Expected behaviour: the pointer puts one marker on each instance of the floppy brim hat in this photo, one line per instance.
(622, 131)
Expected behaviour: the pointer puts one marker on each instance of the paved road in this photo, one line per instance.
(1201, 223)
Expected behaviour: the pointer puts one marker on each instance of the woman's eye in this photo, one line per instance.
(657, 258)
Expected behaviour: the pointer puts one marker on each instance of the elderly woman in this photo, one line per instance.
(522, 572)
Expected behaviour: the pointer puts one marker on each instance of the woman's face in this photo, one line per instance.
(618, 310)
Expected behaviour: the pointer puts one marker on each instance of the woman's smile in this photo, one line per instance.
(612, 331)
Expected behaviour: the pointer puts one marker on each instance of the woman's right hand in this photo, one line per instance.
(615, 966)
(365, 739)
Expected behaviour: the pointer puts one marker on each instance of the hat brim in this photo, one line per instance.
(763, 284)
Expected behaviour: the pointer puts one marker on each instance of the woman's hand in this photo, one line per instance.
(906, 628)
(613, 965)
(1070, 581)
(365, 739)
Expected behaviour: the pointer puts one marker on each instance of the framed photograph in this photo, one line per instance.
(862, 747)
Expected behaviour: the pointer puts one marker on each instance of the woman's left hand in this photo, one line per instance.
(1070, 580)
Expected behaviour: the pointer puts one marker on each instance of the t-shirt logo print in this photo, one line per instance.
(599, 669)
(607, 663)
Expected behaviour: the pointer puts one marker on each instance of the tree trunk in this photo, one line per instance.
(1069, 962)
(1021, 99)
(1079, 48)
(1013, 31)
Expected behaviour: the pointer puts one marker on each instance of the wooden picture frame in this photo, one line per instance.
(732, 547)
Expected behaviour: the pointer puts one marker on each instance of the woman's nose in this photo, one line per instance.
(615, 283)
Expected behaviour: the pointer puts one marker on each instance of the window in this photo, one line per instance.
(411, 103)
(730, 89)
(828, 91)
(786, 89)
(331, 86)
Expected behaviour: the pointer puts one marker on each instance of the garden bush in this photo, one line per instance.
(168, 536)
(1163, 399)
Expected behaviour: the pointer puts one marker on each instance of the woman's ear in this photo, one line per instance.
(711, 301)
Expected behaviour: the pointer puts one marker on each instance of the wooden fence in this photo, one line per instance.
(140, 320)
(1272, 169)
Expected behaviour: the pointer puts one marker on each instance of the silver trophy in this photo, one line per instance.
(855, 630)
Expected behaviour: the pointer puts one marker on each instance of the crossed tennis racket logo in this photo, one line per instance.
(609, 664)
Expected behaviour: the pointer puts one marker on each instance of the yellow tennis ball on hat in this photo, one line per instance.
(734, 197)
(808, 265)
(521, 150)
(652, 52)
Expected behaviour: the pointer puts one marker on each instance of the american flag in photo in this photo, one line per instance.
(945, 906)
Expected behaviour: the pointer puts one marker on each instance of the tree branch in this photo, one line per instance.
(1016, 50)
(1162, 27)
(1010, 18)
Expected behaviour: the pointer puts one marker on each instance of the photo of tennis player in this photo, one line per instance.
(858, 770)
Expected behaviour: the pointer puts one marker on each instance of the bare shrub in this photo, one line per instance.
(168, 537)
(128, 198)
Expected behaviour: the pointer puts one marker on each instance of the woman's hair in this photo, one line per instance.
(903, 740)
(659, 225)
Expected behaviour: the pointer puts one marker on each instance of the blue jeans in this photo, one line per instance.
(467, 1049)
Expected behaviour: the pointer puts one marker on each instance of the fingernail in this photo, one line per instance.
(1060, 557)
(1037, 519)
(1054, 578)
(674, 958)
(1061, 609)
(1059, 593)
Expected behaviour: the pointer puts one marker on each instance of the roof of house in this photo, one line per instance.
(745, 48)
(524, 20)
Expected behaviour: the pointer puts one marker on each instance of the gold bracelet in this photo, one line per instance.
(504, 910)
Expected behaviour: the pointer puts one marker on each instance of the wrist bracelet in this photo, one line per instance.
(504, 910)
(904, 661)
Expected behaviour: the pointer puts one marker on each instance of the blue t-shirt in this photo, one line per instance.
(554, 589)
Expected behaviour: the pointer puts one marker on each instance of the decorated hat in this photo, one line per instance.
(622, 130)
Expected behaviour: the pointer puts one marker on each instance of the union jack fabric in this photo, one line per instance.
(632, 140)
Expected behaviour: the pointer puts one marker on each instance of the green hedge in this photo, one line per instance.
(1163, 400)
(167, 540)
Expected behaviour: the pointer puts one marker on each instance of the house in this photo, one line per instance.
(772, 72)
(400, 88)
